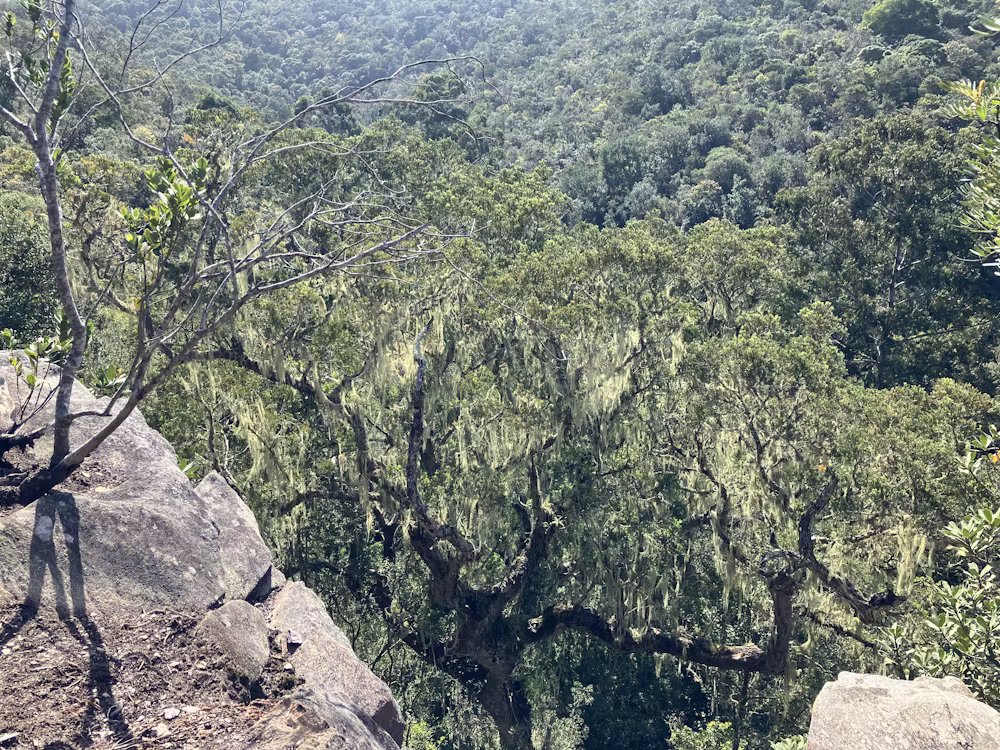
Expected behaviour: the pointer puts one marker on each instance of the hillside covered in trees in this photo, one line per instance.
(619, 372)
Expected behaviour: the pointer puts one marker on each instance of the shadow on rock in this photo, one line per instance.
(59, 506)
(71, 609)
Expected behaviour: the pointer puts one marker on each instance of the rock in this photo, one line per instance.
(869, 712)
(238, 631)
(303, 722)
(243, 556)
(325, 660)
(298, 610)
(128, 508)
(127, 533)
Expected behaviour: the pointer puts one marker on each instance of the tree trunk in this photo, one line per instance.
(46, 478)
(503, 698)
(886, 342)
(49, 186)
(741, 711)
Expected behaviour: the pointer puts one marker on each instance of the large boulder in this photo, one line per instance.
(127, 529)
(869, 712)
(305, 723)
(323, 657)
(242, 554)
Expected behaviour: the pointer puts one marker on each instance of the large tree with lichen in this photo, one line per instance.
(594, 432)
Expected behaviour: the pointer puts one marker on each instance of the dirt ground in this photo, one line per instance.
(138, 681)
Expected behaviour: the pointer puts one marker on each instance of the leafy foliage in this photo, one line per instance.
(798, 742)
(963, 611)
(715, 736)
(896, 19)
(696, 333)
(28, 300)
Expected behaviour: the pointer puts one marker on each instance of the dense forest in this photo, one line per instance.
(618, 371)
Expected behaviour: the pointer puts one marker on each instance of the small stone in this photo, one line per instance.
(5, 652)
(161, 730)
(238, 633)
(294, 639)
(171, 713)
(288, 667)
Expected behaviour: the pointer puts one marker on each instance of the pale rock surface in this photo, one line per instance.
(239, 632)
(326, 661)
(870, 712)
(303, 723)
(128, 508)
(241, 552)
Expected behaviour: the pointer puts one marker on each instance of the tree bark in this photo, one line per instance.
(503, 698)
(741, 711)
(48, 183)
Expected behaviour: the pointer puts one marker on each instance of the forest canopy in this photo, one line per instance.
(617, 372)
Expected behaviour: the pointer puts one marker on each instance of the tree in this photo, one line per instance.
(962, 602)
(896, 19)
(953, 634)
(979, 103)
(956, 635)
(609, 433)
(186, 272)
(879, 236)
(723, 166)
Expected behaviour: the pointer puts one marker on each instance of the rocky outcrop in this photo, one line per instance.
(300, 723)
(322, 655)
(242, 554)
(128, 532)
(870, 712)
(128, 508)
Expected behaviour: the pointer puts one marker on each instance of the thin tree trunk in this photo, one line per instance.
(49, 186)
(47, 478)
(48, 183)
(894, 282)
(741, 711)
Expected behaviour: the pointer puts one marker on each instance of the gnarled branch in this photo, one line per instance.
(864, 608)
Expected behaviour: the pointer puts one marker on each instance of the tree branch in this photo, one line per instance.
(428, 531)
(531, 553)
(689, 648)
(864, 608)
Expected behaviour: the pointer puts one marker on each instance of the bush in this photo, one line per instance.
(716, 735)
(957, 634)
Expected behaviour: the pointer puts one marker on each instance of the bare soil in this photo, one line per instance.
(118, 682)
